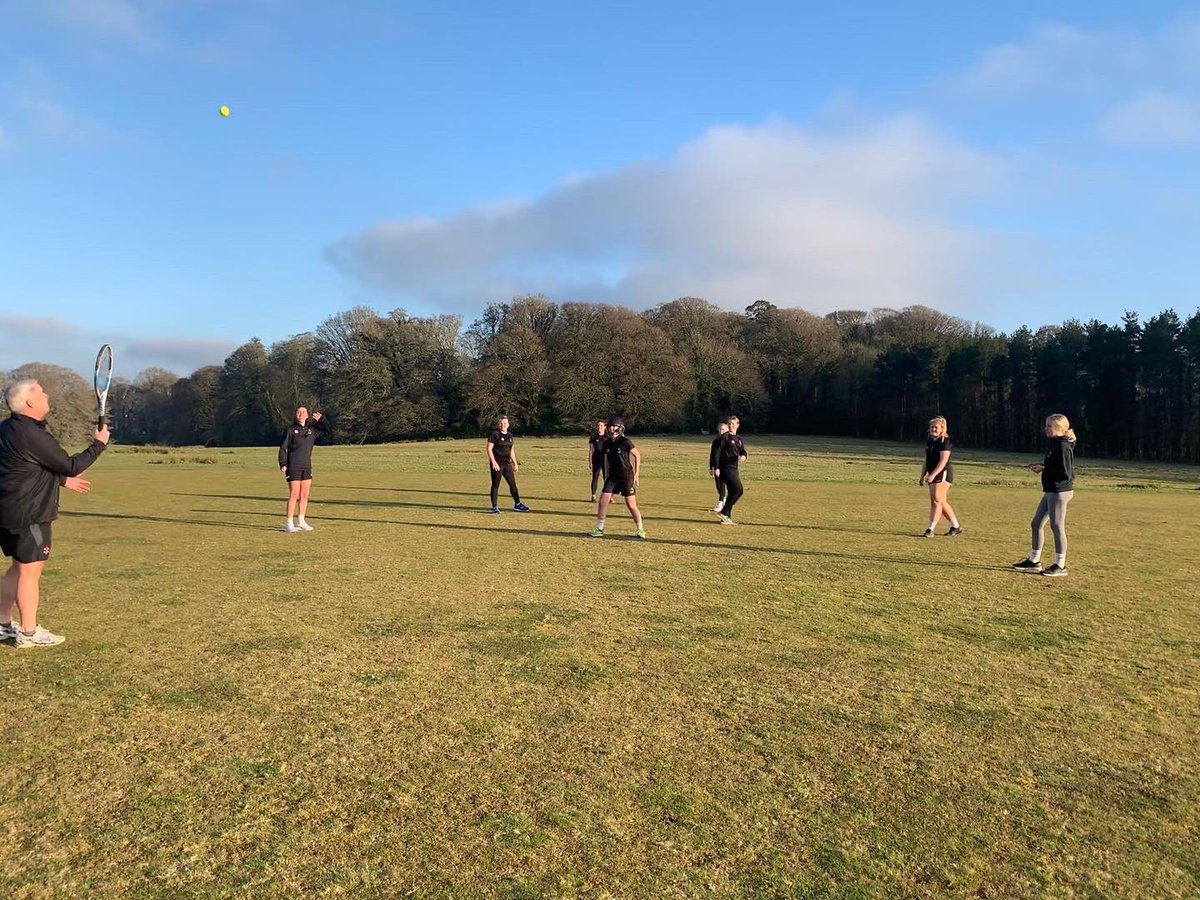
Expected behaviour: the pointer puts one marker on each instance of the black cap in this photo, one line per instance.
(616, 420)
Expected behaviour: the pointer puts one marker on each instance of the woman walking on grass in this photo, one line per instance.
(1058, 487)
(714, 467)
(939, 475)
(502, 463)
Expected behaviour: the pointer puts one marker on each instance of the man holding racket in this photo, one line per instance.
(33, 466)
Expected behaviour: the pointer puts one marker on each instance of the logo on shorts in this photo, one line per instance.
(45, 551)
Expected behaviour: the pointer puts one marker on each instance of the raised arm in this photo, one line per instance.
(46, 451)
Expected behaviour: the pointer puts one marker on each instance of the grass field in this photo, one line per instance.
(421, 698)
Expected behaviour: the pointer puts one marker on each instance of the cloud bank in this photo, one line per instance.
(49, 339)
(855, 219)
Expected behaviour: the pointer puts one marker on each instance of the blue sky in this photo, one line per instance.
(1017, 163)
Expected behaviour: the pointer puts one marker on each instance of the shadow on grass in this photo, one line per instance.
(105, 515)
(673, 542)
(483, 494)
(588, 515)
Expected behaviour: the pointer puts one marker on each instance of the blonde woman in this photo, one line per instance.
(1058, 487)
(939, 475)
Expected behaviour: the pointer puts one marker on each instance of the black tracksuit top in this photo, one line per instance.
(33, 466)
(730, 449)
(1059, 475)
(295, 452)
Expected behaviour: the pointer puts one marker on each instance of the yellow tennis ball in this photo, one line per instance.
(224, 110)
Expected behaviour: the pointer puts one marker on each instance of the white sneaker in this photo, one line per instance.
(40, 638)
(725, 520)
(8, 631)
(718, 507)
(289, 528)
(304, 526)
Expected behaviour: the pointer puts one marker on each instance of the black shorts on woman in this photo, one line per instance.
(934, 447)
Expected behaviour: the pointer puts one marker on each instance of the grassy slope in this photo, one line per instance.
(420, 695)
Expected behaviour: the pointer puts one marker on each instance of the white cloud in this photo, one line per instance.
(1153, 119)
(1056, 60)
(852, 219)
(51, 339)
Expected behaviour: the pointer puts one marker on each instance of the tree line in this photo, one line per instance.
(1131, 390)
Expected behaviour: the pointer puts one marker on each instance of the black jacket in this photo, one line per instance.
(1059, 475)
(295, 451)
(712, 453)
(729, 451)
(32, 468)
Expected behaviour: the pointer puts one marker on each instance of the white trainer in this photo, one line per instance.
(304, 526)
(8, 631)
(40, 638)
(718, 507)
(290, 528)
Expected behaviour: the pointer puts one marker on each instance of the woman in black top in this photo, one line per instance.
(714, 468)
(596, 454)
(295, 462)
(1057, 469)
(939, 475)
(502, 462)
(730, 451)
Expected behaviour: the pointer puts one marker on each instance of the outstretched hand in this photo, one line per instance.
(78, 484)
(316, 417)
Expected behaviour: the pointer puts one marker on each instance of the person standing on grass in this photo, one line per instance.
(715, 469)
(730, 452)
(502, 462)
(596, 454)
(1058, 487)
(33, 466)
(295, 462)
(939, 475)
(622, 466)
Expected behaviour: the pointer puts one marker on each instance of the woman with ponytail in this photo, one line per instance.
(1058, 487)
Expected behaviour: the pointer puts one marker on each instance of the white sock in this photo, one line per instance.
(1060, 560)
(600, 524)
(953, 522)
(1035, 555)
(300, 521)
(290, 522)
(929, 527)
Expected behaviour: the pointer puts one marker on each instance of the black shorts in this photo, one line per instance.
(26, 545)
(623, 486)
(943, 477)
(299, 474)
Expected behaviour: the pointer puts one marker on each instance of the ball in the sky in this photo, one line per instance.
(224, 110)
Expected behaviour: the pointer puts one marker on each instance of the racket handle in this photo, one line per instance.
(100, 420)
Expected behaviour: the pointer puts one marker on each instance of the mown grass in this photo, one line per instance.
(421, 698)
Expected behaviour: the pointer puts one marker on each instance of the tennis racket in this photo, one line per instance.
(104, 366)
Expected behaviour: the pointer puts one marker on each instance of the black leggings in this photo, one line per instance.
(733, 489)
(597, 476)
(720, 489)
(506, 472)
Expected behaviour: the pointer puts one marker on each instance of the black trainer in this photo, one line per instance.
(1027, 565)
(928, 533)
(954, 531)
(1054, 570)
